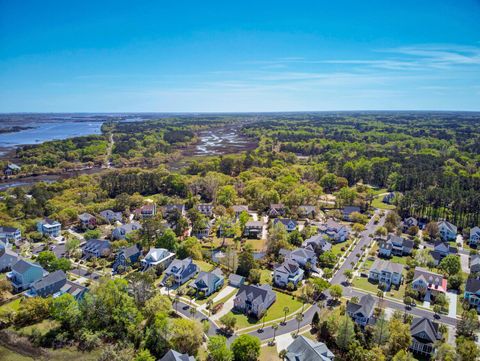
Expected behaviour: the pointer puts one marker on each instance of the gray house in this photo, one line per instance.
(180, 271)
(125, 258)
(475, 263)
(441, 250)
(362, 312)
(111, 216)
(7, 259)
(425, 334)
(96, 248)
(304, 349)
(122, 231)
(10, 234)
(253, 229)
(254, 299)
(173, 355)
(235, 280)
(395, 246)
(317, 243)
(208, 282)
(24, 274)
(48, 285)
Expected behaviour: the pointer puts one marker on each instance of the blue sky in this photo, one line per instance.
(188, 56)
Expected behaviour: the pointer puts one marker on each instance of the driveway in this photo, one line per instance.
(224, 293)
(227, 307)
(464, 260)
(283, 341)
(452, 304)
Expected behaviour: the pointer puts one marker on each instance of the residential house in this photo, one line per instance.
(235, 280)
(395, 246)
(238, 209)
(202, 231)
(290, 224)
(317, 243)
(386, 273)
(125, 258)
(276, 210)
(7, 259)
(448, 231)
(49, 227)
(87, 221)
(333, 231)
(180, 271)
(24, 274)
(302, 256)
(428, 283)
(305, 211)
(174, 208)
(122, 231)
(474, 236)
(441, 250)
(472, 293)
(389, 197)
(48, 285)
(10, 234)
(347, 212)
(148, 210)
(287, 272)
(206, 209)
(111, 216)
(208, 282)
(409, 222)
(158, 257)
(97, 248)
(11, 169)
(173, 355)
(254, 299)
(362, 312)
(305, 349)
(475, 263)
(425, 335)
(253, 229)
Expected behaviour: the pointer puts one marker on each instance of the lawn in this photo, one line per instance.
(257, 244)
(397, 259)
(397, 294)
(378, 203)
(337, 248)
(211, 297)
(226, 298)
(11, 306)
(266, 276)
(204, 266)
(65, 354)
(43, 327)
(269, 353)
(364, 284)
(273, 313)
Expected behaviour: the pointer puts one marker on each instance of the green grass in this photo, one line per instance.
(378, 203)
(226, 298)
(43, 327)
(364, 284)
(212, 296)
(204, 266)
(273, 313)
(11, 306)
(269, 353)
(397, 259)
(65, 354)
(266, 276)
(398, 294)
(337, 248)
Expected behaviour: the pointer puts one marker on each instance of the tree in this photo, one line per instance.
(432, 230)
(445, 352)
(403, 355)
(5, 287)
(141, 286)
(381, 331)
(286, 310)
(144, 355)
(400, 337)
(277, 239)
(274, 328)
(246, 261)
(246, 348)
(92, 234)
(168, 240)
(32, 310)
(468, 324)
(295, 238)
(255, 276)
(190, 247)
(157, 304)
(71, 245)
(229, 322)
(381, 231)
(243, 219)
(467, 349)
(226, 196)
(358, 228)
(451, 264)
(299, 319)
(336, 292)
(348, 273)
(186, 335)
(345, 333)
(315, 321)
(218, 349)
(65, 310)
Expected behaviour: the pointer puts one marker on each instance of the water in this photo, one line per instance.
(43, 132)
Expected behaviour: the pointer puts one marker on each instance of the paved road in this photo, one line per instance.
(365, 240)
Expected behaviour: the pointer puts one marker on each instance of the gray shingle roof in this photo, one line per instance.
(473, 285)
(365, 306)
(50, 279)
(382, 265)
(22, 266)
(424, 326)
(304, 349)
(173, 355)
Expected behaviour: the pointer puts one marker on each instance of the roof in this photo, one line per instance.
(97, 245)
(13, 166)
(50, 279)
(85, 217)
(157, 254)
(109, 214)
(207, 279)
(49, 221)
(184, 266)
(288, 266)
(307, 209)
(173, 355)
(383, 265)
(474, 260)
(5, 229)
(425, 330)
(130, 227)
(405, 242)
(350, 209)
(240, 208)
(433, 280)
(304, 252)
(473, 285)
(365, 306)
(23, 266)
(130, 251)
(304, 349)
(256, 292)
(277, 206)
(7, 252)
(285, 221)
(255, 224)
(444, 247)
(451, 227)
(474, 230)
(234, 278)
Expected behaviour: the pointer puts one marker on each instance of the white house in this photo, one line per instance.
(448, 231)
(334, 231)
(428, 282)
(158, 257)
(288, 271)
(386, 273)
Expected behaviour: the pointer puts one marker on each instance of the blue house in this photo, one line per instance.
(111, 216)
(180, 271)
(49, 227)
(209, 282)
(24, 274)
(126, 257)
(122, 231)
(10, 234)
(290, 224)
(7, 259)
